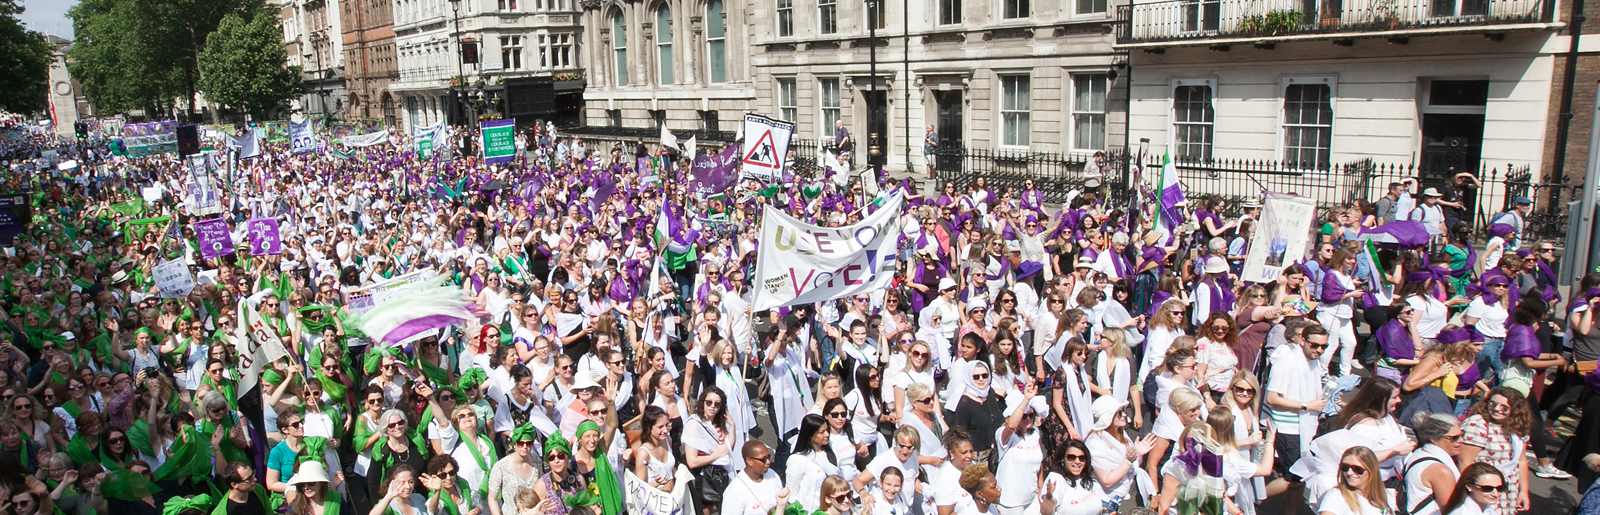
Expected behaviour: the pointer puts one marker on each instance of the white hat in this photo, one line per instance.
(69, 336)
(584, 382)
(1430, 192)
(946, 283)
(977, 303)
(1216, 265)
(119, 277)
(1104, 408)
(1037, 404)
(309, 472)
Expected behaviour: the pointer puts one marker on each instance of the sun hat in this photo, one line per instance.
(1105, 408)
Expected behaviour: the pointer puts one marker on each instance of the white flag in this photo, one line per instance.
(248, 144)
(668, 140)
(688, 148)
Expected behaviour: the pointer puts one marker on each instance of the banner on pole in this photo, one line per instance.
(214, 238)
(424, 138)
(258, 344)
(188, 140)
(499, 141)
(1280, 238)
(301, 139)
(204, 199)
(173, 279)
(365, 140)
(800, 263)
(717, 207)
(715, 173)
(766, 144)
(264, 237)
(148, 139)
(248, 144)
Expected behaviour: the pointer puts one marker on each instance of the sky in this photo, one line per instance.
(48, 16)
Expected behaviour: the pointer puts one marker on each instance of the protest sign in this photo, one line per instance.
(365, 140)
(800, 263)
(644, 499)
(148, 139)
(173, 279)
(264, 237)
(204, 199)
(715, 173)
(188, 140)
(301, 140)
(258, 344)
(424, 137)
(766, 144)
(1281, 236)
(717, 207)
(150, 194)
(499, 141)
(213, 238)
(365, 298)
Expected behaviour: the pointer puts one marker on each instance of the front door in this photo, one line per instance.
(877, 126)
(949, 129)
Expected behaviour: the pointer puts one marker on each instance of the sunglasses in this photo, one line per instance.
(1317, 346)
(1352, 469)
(925, 400)
(297, 424)
(558, 455)
(905, 446)
(1076, 457)
(1248, 391)
(713, 403)
(980, 377)
(838, 414)
(525, 443)
(397, 425)
(1491, 489)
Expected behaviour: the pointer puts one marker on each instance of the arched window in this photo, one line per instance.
(716, 41)
(619, 47)
(664, 44)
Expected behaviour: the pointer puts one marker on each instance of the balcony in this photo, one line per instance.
(1217, 21)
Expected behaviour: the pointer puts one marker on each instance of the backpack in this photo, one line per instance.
(1401, 495)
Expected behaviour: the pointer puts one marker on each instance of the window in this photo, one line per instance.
(1307, 123)
(829, 103)
(1091, 6)
(785, 18)
(788, 100)
(1019, 8)
(619, 46)
(827, 16)
(614, 116)
(664, 44)
(1191, 121)
(716, 39)
(708, 121)
(1089, 111)
(508, 5)
(555, 51)
(1015, 103)
(544, 52)
(949, 12)
(660, 117)
(875, 14)
(511, 52)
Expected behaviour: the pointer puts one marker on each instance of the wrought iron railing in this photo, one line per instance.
(1173, 20)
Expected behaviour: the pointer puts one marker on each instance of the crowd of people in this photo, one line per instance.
(1028, 358)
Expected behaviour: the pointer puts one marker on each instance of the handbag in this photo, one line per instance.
(712, 481)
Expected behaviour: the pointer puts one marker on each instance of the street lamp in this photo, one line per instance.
(874, 147)
(461, 53)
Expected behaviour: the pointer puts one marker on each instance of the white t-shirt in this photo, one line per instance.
(947, 489)
(1070, 500)
(746, 497)
(1334, 503)
(1491, 319)
(1431, 315)
(1106, 453)
(1020, 458)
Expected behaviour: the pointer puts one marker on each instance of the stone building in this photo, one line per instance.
(1031, 76)
(369, 58)
(314, 40)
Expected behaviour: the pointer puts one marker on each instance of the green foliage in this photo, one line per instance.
(145, 53)
(24, 63)
(243, 65)
(1276, 22)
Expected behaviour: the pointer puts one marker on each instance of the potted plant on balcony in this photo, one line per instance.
(1281, 22)
(1387, 13)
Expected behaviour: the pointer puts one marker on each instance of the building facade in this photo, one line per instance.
(522, 62)
(1033, 76)
(369, 58)
(314, 40)
(1444, 86)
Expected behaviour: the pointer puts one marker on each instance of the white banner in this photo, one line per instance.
(800, 263)
(1281, 236)
(365, 140)
(259, 344)
(173, 279)
(766, 145)
(301, 140)
(248, 145)
(644, 499)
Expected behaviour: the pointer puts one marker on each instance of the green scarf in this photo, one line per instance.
(125, 485)
(78, 449)
(191, 458)
(483, 464)
(450, 502)
(605, 481)
(177, 505)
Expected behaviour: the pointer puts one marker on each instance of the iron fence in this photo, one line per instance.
(648, 134)
(1056, 175)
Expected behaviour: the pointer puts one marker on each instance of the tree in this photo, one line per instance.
(145, 53)
(24, 64)
(243, 65)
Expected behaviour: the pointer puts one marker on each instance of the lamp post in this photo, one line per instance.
(874, 147)
(461, 53)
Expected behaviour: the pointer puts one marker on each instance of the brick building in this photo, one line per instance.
(369, 58)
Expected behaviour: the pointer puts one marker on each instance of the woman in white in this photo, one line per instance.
(1240, 468)
(1072, 399)
(903, 462)
(1369, 416)
(1360, 491)
(890, 498)
(1478, 492)
(1430, 471)
(1165, 326)
(1069, 485)
(1242, 399)
(840, 440)
(1021, 450)
(1178, 402)
(866, 406)
(925, 416)
(475, 455)
(791, 390)
(709, 437)
(812, 461)
(918, 370)
(1339, 293)
(1115, 455)
(730, 379)
(398, 497)
(1113, 372)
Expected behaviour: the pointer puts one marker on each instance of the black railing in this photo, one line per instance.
(1054, 174)
(648, 134)
(1175, 20)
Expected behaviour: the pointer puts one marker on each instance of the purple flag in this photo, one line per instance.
(214, 238)
(715, 173)
(264, 237)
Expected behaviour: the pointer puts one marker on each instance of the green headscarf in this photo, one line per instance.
(374, 359)
(176, 505)
(605, 481)
(556, 442)
(472, 379)
(524, 432)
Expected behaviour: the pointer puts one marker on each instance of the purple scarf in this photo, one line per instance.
(1520, 342)
(1396, 341)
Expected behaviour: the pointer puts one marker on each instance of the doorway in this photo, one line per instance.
(1452, 128)
(949, 127)
(877, 122)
